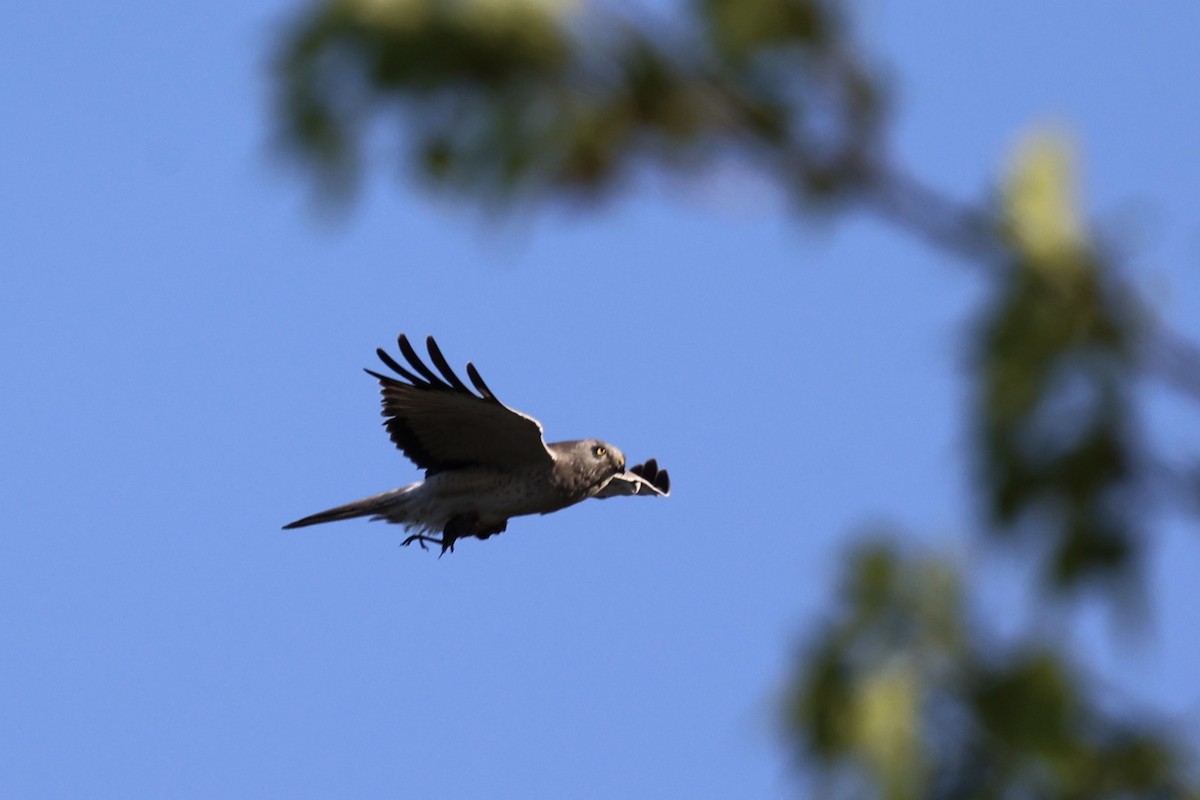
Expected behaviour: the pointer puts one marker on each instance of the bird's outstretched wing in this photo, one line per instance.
(441, 424)
(644, 478)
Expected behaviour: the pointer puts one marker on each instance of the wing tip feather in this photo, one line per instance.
(443, 366)
(648, 471)
(480, 386)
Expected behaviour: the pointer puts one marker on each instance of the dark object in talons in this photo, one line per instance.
(465, 525)
(484, 533)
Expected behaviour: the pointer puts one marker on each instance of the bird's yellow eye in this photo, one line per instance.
(599, 451)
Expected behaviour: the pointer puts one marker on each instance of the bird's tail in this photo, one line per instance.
(379, 505)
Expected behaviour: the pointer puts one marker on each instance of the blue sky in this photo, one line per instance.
(182, 338)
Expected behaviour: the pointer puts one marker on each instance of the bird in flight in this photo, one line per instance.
(484, 462)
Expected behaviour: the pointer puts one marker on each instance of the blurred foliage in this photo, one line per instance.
(1056, 362)
(899, 698)
(522, 100)
(508, 99)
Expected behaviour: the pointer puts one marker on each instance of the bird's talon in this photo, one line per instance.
(421, 539)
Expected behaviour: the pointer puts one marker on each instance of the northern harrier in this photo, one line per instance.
(484, 462)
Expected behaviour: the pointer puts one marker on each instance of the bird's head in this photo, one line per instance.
(591, 460)
(608, 459)
(587, 463)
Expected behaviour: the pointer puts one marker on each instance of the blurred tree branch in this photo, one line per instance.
(899, 693)
(522, 100)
